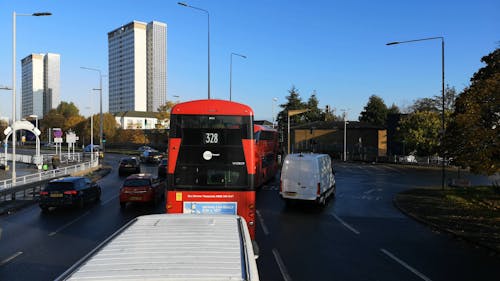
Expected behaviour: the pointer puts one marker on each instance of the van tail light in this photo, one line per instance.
(319, 189)
(44, 193)
(71, 192)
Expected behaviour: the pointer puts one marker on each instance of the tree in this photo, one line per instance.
(436, 103)
(131, 136)
(68, 109)
(163, 114)
(293, 102)
(3, 126)
(314, 113)
(473, 139)
(53, 119)
(420, 132)
(375, 111)
(394, 109)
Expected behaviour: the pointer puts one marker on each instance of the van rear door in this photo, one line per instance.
(299, 179)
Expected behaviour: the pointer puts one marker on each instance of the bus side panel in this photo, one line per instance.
(249, 150)
(244, 201)
(174, 145)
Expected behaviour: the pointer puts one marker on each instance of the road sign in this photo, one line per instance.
(57, 132)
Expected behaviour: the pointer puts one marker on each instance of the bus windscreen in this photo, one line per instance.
(211, 154)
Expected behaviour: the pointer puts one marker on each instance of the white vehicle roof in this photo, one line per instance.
(304, 156)
(173, 247)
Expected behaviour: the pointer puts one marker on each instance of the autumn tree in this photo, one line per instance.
(473, 138)
(420, 131)
(3, 126)
(163, 114)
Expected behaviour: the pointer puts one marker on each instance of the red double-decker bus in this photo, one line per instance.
(211, 159)
(266, 149)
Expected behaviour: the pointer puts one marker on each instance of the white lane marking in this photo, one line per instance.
(281, 265)
(393, 169)
(68, 224)
(346, 224)
(110, 199)
(7, 260)
(370, 191)
(416, 272)
(261, 220)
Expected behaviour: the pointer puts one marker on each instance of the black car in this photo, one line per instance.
(129, 165)
(69, 191)
(162, 168)
(151, 156)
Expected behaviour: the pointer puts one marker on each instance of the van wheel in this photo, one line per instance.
(322, 202)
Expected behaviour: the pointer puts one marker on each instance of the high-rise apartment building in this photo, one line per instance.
(137, 67)
(40, 84)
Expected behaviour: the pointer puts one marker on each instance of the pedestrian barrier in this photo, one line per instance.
(45, 175)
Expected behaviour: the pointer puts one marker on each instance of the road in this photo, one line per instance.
(360, 235)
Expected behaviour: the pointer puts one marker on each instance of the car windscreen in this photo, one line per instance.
(59, 186)
(136, 182)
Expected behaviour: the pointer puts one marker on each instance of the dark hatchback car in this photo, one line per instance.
(69, 191)
(129, 165)
(162, 168)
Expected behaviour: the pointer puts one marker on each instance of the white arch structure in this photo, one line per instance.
(28, 126)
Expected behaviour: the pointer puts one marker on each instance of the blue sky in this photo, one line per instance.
(336, 48)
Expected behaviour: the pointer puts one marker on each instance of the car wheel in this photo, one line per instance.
(123, 205)
(81, 203)
(45, 209)
(98, 197)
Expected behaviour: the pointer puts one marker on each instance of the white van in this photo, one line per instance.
(172, 247)
(307, 176)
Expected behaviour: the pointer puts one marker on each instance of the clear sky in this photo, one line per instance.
(336, 48)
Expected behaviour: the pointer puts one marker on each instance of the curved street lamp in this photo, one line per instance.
(208, 21)
(442, 93)
(231, 73)
(14, 15)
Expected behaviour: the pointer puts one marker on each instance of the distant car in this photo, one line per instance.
(143, 148)
(129, 165)
(162, 168)
(69, 191)
(96, 147)
(151, 156)
(88, 148)
(141, 188)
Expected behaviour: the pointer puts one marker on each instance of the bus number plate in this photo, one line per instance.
(211, 138)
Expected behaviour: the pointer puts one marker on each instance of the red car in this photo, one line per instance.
(141, 188)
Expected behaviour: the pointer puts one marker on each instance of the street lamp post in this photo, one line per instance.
(208, 21)
(345, 132)
(14, 15)
(442, 93)
(231, 73)
(100, 103)
(272, 109)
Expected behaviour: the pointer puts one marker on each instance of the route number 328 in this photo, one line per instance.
(211, 138)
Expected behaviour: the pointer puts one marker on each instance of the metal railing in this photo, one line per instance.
(45, 175)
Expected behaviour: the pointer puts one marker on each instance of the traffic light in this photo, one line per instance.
(103, 138)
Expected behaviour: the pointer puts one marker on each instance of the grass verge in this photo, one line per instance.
(471, 213)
